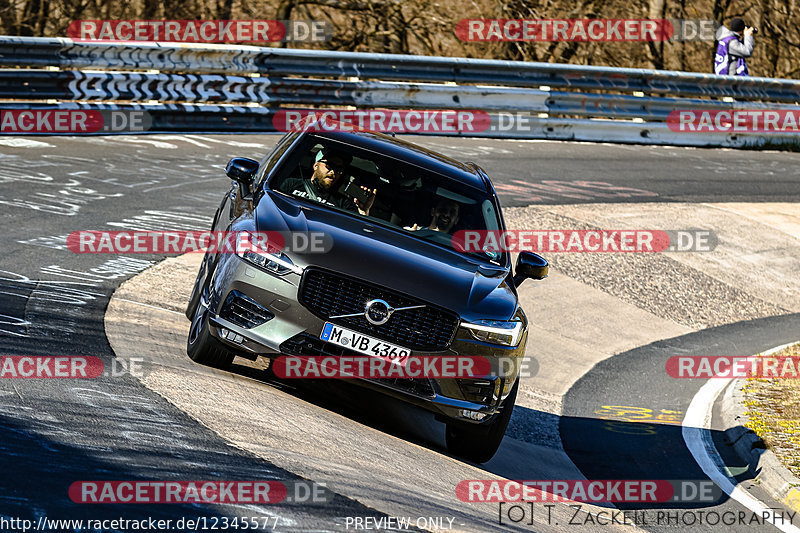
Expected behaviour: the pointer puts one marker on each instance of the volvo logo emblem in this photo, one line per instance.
(378, 312)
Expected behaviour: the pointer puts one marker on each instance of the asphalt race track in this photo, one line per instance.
(603, 329)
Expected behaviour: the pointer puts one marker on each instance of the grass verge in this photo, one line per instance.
(773, 408)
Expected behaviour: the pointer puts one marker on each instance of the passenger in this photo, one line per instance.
(322, 186)
(445, 217)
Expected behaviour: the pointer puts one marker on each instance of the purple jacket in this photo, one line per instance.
(731, 51)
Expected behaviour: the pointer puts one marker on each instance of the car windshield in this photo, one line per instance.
(421, 203)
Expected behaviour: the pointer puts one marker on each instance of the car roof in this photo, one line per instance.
(469, 174)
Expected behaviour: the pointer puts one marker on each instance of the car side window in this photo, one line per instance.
(272, 158)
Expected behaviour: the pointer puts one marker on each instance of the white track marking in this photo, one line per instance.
(150, 306)
(696, 434)
(184, 138)
(226, 141)
(24, 143)
(182, 184)
(155, 143)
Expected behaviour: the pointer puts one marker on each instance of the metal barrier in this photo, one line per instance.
(193, 118)
(123, 73)
(217, 88)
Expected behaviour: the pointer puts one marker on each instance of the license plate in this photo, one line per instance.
(359, 342)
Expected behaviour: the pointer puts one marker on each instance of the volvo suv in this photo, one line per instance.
(386, 216)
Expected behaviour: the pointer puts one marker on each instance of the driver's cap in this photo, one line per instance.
(330, 152)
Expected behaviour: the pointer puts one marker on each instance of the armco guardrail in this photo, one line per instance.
(217, 88)
(186, 118)
(171, 57)
(168, 74)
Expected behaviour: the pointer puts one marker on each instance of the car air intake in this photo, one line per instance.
(482, 391)
(244, 311)
(327, 294)
(305, 344)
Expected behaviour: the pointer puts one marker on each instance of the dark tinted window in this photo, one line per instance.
(425, 204)
(272, 158)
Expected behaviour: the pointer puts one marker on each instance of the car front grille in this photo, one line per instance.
(328, 294)
(305, 344)
(416, 386)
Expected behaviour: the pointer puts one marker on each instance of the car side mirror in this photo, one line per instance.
(243, 171)
(530, 265)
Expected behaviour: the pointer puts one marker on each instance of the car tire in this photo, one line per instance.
(197, 290)
(479, 442)
(201, 346)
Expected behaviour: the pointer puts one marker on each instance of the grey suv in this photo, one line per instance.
(389, 211)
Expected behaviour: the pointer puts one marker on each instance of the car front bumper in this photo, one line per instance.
(474, 400)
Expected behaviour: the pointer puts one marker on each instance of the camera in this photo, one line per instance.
(354, 190)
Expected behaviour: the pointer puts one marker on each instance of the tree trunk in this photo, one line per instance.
(767, 38)
(226, 10)
(655, 49)
(284, 10)
(720, 10)
(8, 18)
(44, 14)
(150, 9)
(30, 13)
(397, 36)
(176, 10)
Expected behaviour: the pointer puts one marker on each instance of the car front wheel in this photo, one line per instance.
(201, 346)
(479, 442)
(197, 290)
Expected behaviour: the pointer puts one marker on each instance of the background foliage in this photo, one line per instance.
(426, 27)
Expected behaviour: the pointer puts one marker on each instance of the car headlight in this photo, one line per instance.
(507, 333)
(247, 248)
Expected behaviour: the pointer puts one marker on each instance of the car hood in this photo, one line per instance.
(387, 257)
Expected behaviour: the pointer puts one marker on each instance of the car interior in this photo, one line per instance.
(406, 193)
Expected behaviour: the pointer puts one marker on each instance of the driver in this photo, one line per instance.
(329, 165)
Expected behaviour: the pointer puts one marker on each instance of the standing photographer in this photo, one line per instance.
(731, 51)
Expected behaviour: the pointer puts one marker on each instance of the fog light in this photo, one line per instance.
(472, 415)
(229, 335)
